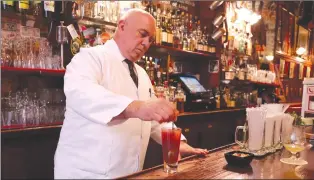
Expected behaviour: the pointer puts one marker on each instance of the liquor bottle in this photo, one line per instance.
(159, 79)
(205, 44)
(151, 70)
(23, 7)
(169, 34)
(7, 6)
(185, 42)
(164, 34)
(236, 40)
(105, 36)
(166, 91)
(176, 38)
(192, 41)
(36, 7)
(158, 30)
(180, 37)
(212, 46)
(209, 46)
(200, 44)
(98, 40)
(180, 98)
(49, 8)
(189, 42)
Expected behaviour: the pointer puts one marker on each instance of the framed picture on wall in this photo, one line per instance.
(303, 38)
(301, 68)
(291, 70)
(213, 66)
(308, 71)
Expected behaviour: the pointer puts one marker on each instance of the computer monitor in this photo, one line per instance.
(192, 84)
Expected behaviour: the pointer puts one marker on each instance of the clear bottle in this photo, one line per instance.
(185, 42)
(98, 40)
(164, 33)
(8, 6)
(180, 98)
(169, 33)
(158, 29)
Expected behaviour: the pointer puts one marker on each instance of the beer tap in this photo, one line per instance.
(62, 38)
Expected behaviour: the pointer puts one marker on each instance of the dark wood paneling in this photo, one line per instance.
(29, 154)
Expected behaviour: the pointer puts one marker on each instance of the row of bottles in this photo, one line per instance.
(178, 29)
(227, 97)
(155, 68)
(239, 39)
(174, 94)
(29, 7)
(94, 36)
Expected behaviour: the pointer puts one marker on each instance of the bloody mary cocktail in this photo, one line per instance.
(170, 148)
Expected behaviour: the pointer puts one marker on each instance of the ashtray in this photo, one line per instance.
(239, 158)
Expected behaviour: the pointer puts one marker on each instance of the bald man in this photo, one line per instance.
(110, 114)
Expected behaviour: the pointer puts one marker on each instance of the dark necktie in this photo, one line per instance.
(132, 71)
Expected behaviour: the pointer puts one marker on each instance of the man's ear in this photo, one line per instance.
(121, 25)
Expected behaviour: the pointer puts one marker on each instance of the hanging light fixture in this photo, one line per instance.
(219, 20)
(214, 5)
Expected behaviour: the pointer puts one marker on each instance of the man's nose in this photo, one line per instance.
(146, 42)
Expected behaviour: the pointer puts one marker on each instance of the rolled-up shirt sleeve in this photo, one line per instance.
(85, 95)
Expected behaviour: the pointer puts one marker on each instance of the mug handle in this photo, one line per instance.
(241, 144)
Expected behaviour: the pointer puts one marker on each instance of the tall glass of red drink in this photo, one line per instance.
(170, 147)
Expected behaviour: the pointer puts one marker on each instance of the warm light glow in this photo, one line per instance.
(244, 14)
(270, 58)
(247, 15)
(300, 51)
(300, 59)
(254, 18)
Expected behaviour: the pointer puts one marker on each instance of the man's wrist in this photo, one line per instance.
(131, 111)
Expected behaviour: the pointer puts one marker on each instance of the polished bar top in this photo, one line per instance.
(214, 166)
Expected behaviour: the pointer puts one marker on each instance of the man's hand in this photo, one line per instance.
(186, 150)
(159, 110)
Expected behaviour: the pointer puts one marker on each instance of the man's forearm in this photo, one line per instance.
(129, 111)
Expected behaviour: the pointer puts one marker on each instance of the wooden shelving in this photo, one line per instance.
(93, 21)
(154, 48)
(165, 50)
(20, 128)
(248, 82)
(294, 59)
(33, 71)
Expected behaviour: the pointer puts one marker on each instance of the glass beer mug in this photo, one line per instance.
(243, 143)
(252, 139)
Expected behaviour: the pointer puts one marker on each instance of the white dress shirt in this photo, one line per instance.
(98, 87)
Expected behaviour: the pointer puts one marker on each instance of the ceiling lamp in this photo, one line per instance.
(300, 51)
(214, 5)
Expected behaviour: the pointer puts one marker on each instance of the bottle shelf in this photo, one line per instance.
(93, 21)
(161, 49)
(248, 82)
(20, 127)
(294, 59)
(154, 48)
(33, 71)
(15, 15)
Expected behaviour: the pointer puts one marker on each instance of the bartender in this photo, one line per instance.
(110, 114)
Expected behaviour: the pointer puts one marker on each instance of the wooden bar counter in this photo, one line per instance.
(214, 166)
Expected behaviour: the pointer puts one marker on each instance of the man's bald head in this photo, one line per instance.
(135, 32)
(135, 13)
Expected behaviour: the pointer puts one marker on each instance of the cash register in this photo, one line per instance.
(197, 97)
